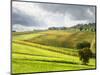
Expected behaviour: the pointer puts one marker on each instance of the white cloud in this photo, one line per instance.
(20, 28)
(68, 22)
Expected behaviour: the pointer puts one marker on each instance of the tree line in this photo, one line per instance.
(80, 27)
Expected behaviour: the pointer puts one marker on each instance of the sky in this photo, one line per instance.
(27, 16)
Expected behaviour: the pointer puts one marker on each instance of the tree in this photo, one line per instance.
(84, 52)
(81, 28)
(82, 45)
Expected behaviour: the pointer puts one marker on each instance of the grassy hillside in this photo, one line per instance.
(48, 51)
(63, 39)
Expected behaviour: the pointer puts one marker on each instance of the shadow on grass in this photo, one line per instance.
(54, 61)
(44, 48)
(35, 54)
(22, 61)
(86, 64)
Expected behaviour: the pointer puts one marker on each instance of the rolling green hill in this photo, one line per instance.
(48, 51)
(59, 38)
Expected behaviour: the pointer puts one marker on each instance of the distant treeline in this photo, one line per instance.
(80, 27)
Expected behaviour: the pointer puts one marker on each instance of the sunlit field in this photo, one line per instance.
(48, 51)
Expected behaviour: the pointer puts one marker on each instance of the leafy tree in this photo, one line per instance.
(85, 54)
(81, 28)
(84, 51)
(83, 44)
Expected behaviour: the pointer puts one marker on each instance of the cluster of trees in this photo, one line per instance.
(80, 27)
(57, 28)
(86, 27)
(84, 51)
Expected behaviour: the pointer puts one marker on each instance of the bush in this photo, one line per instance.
(82, 45)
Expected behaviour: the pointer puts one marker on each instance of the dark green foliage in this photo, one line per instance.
(85, 54)
(57, 28)
(81, 28)
(82, 45)
(85, 27)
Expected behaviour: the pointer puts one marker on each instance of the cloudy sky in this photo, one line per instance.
(28, 16)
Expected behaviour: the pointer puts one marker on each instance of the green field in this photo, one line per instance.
(49, 51)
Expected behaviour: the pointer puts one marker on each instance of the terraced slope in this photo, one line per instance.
(63, 39)
(28, 56)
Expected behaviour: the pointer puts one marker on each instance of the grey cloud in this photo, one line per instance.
(20, 17)
(77, 12)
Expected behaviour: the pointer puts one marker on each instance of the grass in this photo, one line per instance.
(63, 38)
(28, 66)
(29, 55)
